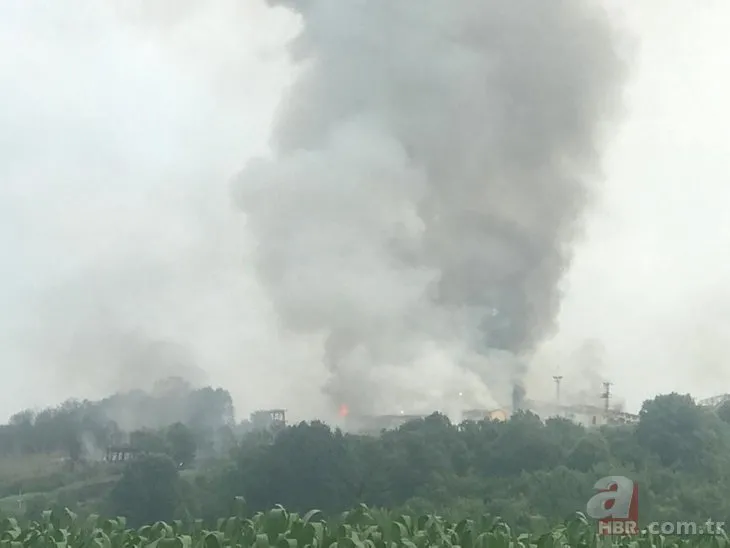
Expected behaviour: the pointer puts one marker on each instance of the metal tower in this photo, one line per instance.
(607, 395)
(557, 379)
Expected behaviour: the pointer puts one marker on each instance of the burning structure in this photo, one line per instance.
(485, 414)
(587, 414)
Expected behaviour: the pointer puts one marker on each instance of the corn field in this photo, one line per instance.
(359, 528)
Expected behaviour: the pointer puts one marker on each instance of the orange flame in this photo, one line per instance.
(344, 411)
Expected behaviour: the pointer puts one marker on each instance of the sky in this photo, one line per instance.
(649, 279)
(122, 124)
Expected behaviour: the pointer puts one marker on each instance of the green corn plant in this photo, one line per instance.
(362, 527)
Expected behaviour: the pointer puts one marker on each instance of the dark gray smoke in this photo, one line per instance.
(431, 166)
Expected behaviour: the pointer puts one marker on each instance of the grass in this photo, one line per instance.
(23, 481)
(50, 477)
(79, 491)
(15, 468)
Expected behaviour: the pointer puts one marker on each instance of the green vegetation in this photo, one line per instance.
(195, 462)
(359, 528)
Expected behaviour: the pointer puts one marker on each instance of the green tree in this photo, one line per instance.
(724, 411)
(307, 465)
(149, 441)
(674, 428)
(525, 445)
(181, 444)
(148, 491)
(592, 448)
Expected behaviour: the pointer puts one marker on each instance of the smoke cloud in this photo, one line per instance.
(123, 258)
(431, 168)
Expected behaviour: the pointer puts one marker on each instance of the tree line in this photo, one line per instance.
(529, 471)
(167, 415)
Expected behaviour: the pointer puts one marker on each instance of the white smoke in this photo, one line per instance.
(431, 167)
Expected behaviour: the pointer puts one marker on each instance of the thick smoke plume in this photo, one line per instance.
(431, 167)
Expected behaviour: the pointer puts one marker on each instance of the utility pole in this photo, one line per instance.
(557, 379)
(607, 395)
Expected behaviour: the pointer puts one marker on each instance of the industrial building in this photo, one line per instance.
(485, 414)
(268, 419)
(585, 414)
(374, 424)
(714, 401)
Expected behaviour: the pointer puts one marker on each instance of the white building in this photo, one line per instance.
(586, 415)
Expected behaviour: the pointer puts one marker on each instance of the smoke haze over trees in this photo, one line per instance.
(85, 429)
(125, 256)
